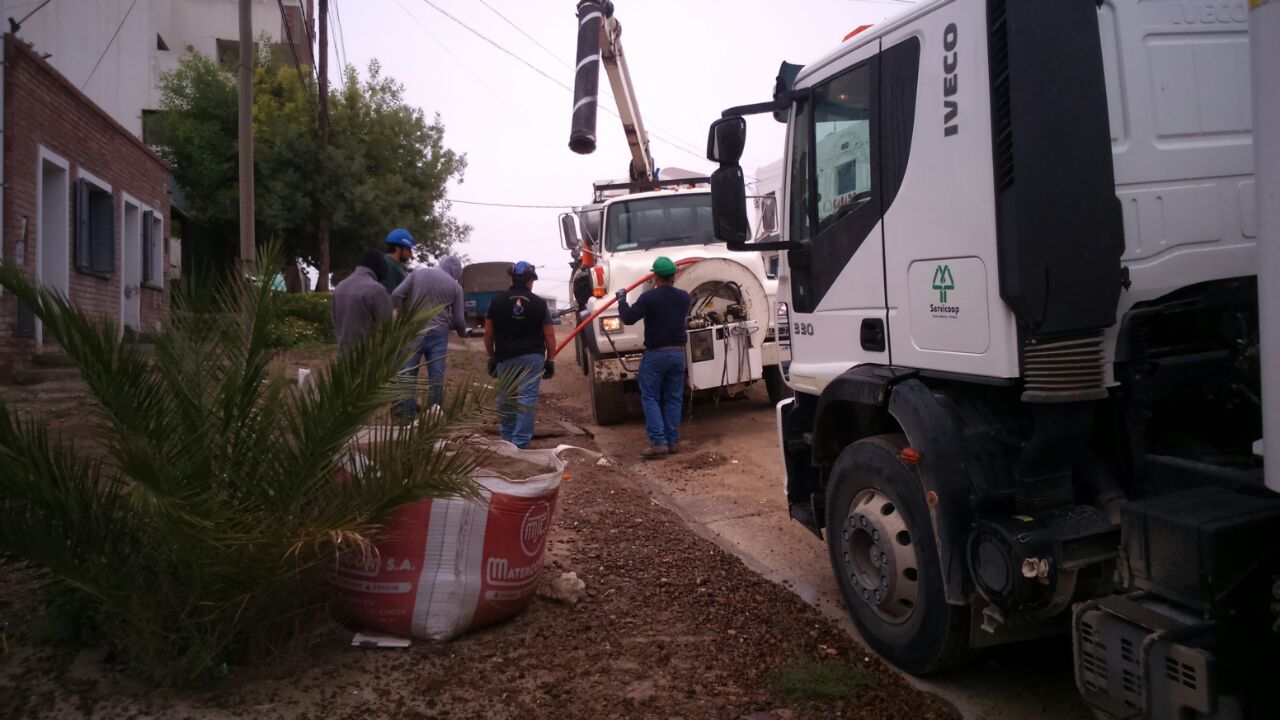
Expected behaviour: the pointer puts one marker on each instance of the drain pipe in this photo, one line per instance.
(1264, 48)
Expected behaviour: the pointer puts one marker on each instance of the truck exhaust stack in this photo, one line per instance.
(586, 83)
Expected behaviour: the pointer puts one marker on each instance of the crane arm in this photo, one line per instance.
(615, 66)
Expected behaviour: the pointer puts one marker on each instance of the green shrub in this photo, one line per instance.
(194, 525)
(301, 319)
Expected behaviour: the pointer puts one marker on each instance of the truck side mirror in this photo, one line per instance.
(726, 139)
(569, 231)
(729, 206)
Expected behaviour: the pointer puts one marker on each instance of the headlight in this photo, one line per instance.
(611, 325)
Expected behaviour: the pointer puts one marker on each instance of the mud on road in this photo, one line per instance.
(726, 485)
(671, 626)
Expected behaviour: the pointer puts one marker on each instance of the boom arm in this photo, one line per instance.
(596, 18)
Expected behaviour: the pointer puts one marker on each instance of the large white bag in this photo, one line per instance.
(444, 567)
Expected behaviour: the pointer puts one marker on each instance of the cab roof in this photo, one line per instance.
(868, 36)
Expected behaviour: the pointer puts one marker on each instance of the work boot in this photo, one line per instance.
(654, 451)
(673, 448)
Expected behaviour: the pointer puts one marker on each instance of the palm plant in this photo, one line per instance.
(192, 521)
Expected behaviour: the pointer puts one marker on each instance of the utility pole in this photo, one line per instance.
(247, 245)
(323, 221)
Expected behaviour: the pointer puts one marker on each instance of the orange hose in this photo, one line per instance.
(613, 299)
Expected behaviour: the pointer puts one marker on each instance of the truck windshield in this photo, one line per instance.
(683, 219)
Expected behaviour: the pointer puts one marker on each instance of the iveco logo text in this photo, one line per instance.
(950, 80)
(1210, 13)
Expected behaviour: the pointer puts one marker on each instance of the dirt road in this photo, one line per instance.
(726, 485)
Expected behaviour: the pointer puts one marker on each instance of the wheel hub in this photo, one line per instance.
(879, 556)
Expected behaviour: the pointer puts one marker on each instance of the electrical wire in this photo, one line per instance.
(342, 34)
(110, 42)
(15, 26)
(513, 205)
(533, 40)
(297, 64)
(496, 95)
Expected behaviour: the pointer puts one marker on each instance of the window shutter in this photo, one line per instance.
(83, 257)
(148, 251)
(102, 231)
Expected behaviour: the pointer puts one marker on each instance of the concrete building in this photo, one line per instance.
(122, 76)
(85, 209)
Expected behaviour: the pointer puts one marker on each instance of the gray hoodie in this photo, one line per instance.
(436, 287)
(359, 303)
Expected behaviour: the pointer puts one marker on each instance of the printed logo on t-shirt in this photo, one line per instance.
(518, 308)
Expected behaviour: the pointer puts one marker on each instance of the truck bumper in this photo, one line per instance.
(615, 369)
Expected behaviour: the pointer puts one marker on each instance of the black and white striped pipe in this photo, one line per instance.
(586, 82)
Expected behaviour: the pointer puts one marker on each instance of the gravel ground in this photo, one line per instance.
(671, 626)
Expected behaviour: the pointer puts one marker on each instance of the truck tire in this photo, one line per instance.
(880, 541)
(775, 385)
(608, 402)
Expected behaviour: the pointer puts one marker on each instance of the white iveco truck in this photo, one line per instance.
(1020, 259)
(731, 326)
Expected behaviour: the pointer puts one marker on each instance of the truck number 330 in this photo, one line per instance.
(802, 328)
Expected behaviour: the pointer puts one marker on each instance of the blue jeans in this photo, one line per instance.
(517, 409)
(661, 379)
(431, 347)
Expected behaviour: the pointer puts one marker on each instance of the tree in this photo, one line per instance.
(192, 521)
(391, 164)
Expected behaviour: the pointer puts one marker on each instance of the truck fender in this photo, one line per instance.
(935, 434)
(854, 406)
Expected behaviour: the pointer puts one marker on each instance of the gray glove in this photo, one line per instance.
(621, 295)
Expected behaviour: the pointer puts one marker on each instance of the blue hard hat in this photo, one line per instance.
(400, 237)
(525, 270)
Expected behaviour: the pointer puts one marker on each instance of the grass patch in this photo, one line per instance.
(819, 681)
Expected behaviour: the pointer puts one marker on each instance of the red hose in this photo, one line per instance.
(613, 299)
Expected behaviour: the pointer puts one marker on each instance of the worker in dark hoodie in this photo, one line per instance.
(432, 287)
(360, 301)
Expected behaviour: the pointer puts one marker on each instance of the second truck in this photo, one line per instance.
(1022, 244)
(733, 335)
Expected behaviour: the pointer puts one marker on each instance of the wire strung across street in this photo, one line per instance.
(110, 42)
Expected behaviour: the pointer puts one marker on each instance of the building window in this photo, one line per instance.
(95, 230)
(152, 250)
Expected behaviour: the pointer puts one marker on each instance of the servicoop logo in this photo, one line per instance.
(943, 282)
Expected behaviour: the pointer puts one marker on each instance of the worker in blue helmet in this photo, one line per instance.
(399, 252)
(520, 342)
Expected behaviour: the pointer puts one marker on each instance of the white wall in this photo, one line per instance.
(77, 31)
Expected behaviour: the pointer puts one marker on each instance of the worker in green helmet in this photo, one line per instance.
(663, 309)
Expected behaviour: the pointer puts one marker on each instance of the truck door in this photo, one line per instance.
(836, 281)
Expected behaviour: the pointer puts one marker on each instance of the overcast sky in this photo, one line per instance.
(689, 60)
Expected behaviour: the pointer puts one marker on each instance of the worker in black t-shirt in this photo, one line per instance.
(661, 376)
(520, 342)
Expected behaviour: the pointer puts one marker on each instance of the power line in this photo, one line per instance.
(496, 95)
(109, 43)
(512, 205)
(520, 30)
(297, 64)
(342, 35)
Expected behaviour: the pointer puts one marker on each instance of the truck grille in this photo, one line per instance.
(1064, 370)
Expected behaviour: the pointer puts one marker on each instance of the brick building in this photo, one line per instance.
(85, 208)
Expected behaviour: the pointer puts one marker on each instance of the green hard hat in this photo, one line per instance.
(664, 267)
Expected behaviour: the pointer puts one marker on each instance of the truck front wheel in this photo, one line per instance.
(775, 385)
(880, 541)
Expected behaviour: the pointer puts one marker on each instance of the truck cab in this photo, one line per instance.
(1019, 248)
